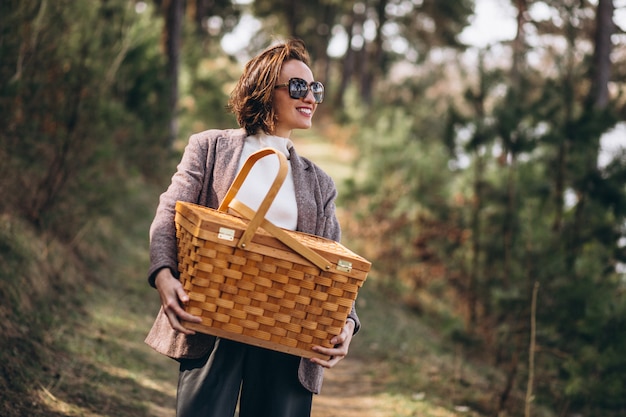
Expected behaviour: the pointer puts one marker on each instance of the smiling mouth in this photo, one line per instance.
(305, 110)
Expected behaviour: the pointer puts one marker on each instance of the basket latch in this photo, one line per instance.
(344, 266)
(226, 234)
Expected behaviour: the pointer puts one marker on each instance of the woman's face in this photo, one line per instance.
(293, 113)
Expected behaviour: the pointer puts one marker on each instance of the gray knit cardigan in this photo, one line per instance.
(206, 170)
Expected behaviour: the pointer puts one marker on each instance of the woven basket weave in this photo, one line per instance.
(255, 283)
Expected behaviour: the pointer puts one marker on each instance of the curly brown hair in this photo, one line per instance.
(252, 98)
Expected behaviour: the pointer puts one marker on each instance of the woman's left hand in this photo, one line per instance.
(341, 344)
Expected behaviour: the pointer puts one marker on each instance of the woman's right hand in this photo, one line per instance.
(173, 296)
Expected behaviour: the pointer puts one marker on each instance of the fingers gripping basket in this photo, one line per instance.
(256, 283)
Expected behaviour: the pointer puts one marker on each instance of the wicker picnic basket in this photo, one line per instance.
(259, 284)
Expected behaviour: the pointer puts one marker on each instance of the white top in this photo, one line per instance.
(284, 211)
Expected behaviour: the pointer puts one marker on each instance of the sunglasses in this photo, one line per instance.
(299, 88)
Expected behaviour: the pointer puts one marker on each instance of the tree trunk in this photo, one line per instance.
(519, 43)
(509, 154)
(597, 102)
(601, 69)
(374, 56)
(347, 65)
(472, 285)
(324, 32)
(291, 9)
(174, 15)
(479, 139)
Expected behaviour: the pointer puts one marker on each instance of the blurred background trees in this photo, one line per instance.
(521, 197)
(481, 170)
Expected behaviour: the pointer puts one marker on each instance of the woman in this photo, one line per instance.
(275, 95)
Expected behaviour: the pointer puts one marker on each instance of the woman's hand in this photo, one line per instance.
(173, 295)
(341, 344)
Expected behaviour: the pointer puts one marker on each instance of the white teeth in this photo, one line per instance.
(304, 110)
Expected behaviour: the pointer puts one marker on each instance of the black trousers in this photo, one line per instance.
(264, 381)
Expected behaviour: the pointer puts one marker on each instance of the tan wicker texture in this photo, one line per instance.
(264, 294)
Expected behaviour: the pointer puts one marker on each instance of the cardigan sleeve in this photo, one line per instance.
(187, 184)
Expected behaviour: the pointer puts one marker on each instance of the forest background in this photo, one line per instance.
(478, 180)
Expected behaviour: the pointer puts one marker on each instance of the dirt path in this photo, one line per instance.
(349, 391)
(107, 370)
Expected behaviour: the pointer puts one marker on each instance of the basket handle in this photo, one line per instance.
(257, 219)
(308, 253)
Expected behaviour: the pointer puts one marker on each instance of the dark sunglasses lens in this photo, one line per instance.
(298, 88)
(318, 91)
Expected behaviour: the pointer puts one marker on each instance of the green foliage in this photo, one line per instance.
(462, 200)
(72, 326)
(506, 220)
(38, 285)
(403, 197)
(207, 82)
(77, 129)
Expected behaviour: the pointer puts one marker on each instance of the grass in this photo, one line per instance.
(88, 358)
(72, 330)
(108, 371)
(72, 343)
(428, 373)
